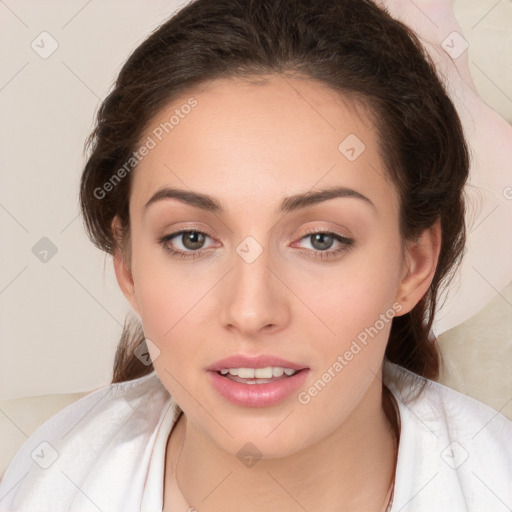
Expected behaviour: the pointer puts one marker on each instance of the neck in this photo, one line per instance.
(350, 469)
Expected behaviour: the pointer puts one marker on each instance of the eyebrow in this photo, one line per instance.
(289, 204)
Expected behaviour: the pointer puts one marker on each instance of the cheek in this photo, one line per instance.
(355, 294)
(165, 299)
(167, 313)
(358, 310)
(357, 307)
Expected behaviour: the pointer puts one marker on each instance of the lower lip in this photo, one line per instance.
(258, 395)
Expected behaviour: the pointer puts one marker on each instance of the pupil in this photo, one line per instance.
(318, 237)
(191, 237)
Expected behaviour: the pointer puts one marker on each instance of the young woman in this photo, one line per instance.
(280, 185)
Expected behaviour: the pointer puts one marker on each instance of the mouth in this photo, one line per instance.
(260, 381)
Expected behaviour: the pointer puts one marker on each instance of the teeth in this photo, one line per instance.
(277, 371)
(258, 373)
(262, 373)
(244, 373)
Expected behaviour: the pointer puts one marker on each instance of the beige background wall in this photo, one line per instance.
(61, 319)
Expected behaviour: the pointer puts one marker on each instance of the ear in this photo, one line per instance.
(122, 268)
(420, 263)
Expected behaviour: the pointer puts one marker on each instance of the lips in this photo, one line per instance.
(259, 361)
(256, 392)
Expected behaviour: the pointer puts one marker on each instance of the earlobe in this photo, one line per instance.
(122, 269)
(421, 259)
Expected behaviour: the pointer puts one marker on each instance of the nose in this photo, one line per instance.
(254, 298)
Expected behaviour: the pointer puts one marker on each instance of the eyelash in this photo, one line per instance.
(347, 244)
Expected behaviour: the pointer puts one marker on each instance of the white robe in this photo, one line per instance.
(106, 452)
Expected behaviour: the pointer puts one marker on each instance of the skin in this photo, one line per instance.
(251, 145)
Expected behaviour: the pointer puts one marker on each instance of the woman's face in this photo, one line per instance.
(258, 282)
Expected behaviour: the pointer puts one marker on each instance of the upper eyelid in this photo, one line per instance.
(309, 231)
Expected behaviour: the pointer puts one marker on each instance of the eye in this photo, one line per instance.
(322, 241)
(192, 241)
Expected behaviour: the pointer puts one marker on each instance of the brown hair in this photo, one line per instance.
(353, 46)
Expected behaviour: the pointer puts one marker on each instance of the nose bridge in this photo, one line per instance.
(252, 299)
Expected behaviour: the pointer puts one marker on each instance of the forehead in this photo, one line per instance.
(237, 139)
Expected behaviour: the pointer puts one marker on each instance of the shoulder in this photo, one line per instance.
(457, 448)
(102, 439)
(24, 415)
(445, 408)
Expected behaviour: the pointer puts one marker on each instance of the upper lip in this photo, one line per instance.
(259, 361)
